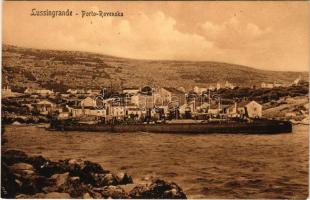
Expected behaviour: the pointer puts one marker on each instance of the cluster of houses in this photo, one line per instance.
(217, 86)
(7, 92)
(137, 104)
(276, 84)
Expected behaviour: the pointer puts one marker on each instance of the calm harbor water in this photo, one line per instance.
(205, 166)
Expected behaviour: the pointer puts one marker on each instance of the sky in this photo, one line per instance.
(266, 35)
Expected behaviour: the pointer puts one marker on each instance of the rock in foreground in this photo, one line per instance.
(158, 189)
(26, 176)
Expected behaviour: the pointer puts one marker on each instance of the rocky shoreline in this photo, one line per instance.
(293, 109)
(25, 176)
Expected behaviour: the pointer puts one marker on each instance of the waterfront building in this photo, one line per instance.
(232, 110)
(133, 112)
(254, 109)
(250, 109)
(76, 112)
(45, 107)
(63, 115)
(94, 112)
(146, 101)
(134, 99)
(117, 112)
(143, 101)
(88, 102)
(169, 95)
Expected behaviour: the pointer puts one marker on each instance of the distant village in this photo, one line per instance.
(131, 105)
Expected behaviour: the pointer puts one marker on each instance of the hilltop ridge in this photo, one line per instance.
(55, 69)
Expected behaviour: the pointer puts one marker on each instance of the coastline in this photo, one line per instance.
(194, 162)
(27, 176)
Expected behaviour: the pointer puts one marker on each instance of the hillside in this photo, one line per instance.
(295, 109)
(24, 67)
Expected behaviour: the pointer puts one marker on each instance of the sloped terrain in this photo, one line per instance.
(24, 67)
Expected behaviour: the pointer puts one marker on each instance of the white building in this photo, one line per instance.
(212, 88)
(88, 102)
(45, 107)
(72, 91)
(271, 85)
(118, 112)
(218, 86)
(7, 92)
(63, 115)
(170, 95)
(143, 101)
(131, 90)
(200, 90)
(76, 112)
(41, 92)
(44, 92)
(267, 85)
(81, 112)
(229, 85)
(254, 109)
(95, 112)
(250, 109)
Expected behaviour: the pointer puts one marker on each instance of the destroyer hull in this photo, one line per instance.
(261, 127)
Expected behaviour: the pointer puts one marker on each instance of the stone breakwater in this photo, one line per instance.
(24, 176)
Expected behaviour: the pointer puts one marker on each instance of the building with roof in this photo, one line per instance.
(272, 85)
(200, 90)
(72, 91)
(45, 107)
(254, 109)
(131, 91)
(250, 109)
(88, 102)
(7, 92)
(229, 85)
(266, 85)
(169, 94)
(143, 101)
(41, 92)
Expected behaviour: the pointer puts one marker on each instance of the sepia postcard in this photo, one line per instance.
(155, 100)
